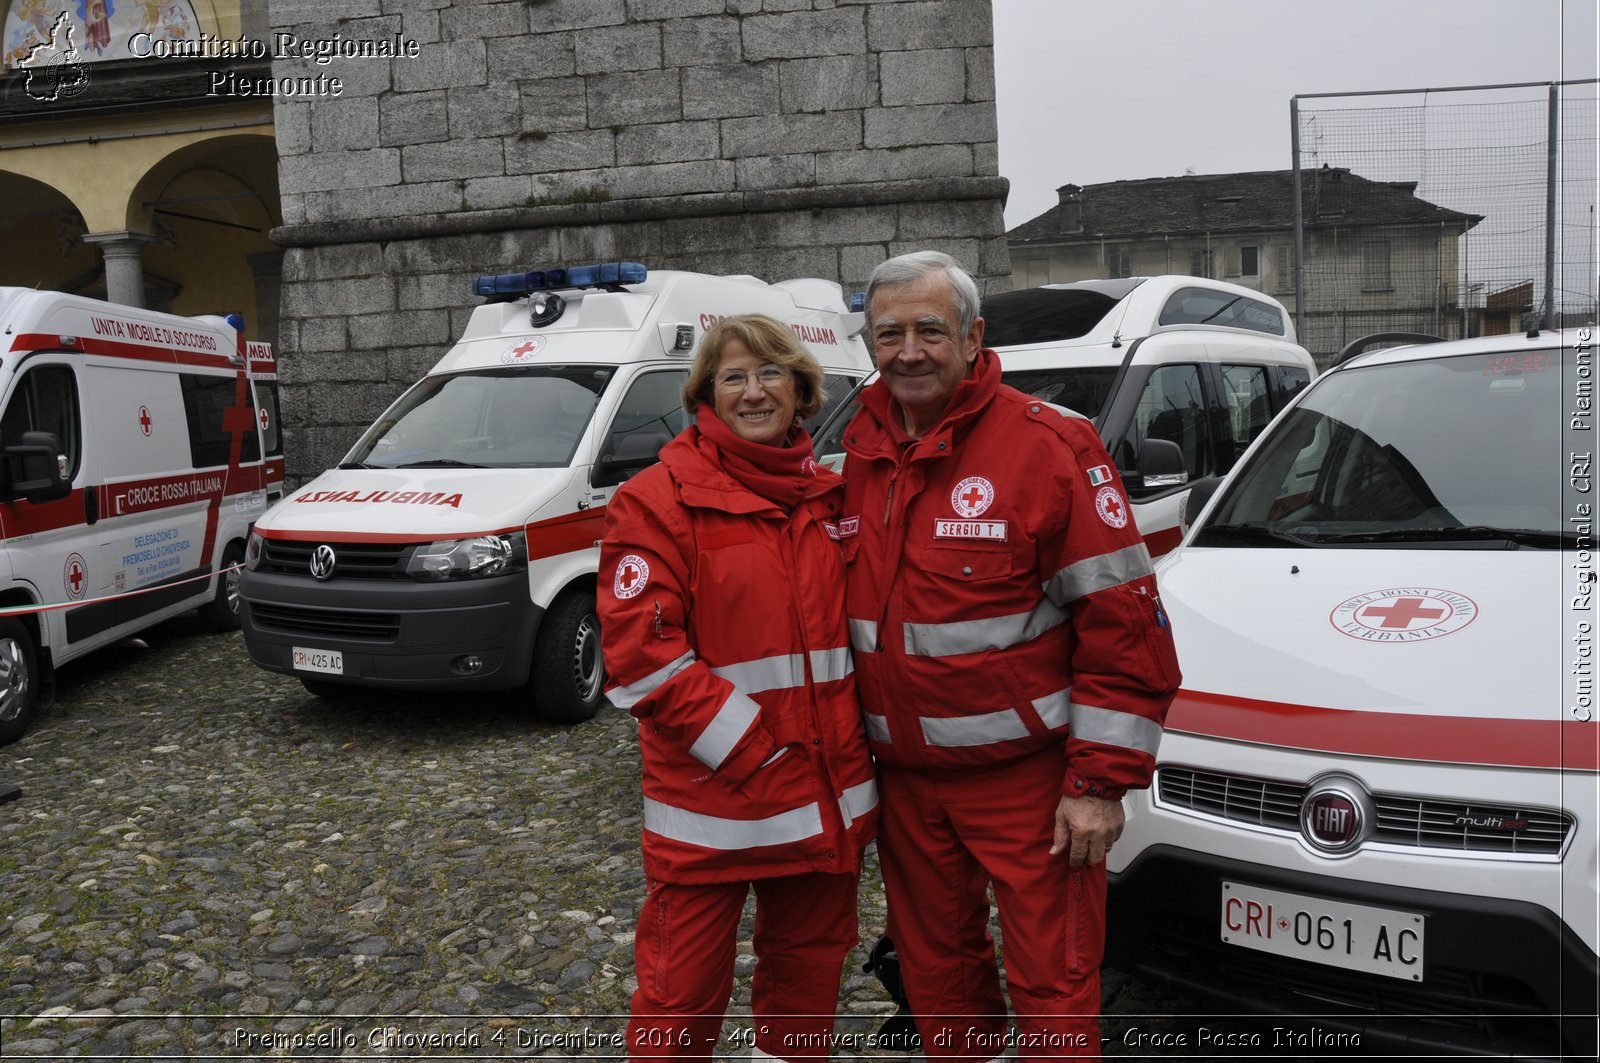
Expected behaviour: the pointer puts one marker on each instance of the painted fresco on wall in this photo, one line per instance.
(96, 30)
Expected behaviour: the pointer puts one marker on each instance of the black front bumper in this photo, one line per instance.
(1502, 977)
(394, 633)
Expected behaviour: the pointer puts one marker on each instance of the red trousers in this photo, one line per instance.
(683, 954)
(941, 844)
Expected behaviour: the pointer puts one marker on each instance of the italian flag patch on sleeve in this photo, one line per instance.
(1099, 474)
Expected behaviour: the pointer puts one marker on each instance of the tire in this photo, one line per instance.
(330, 691)
(221, 613)
(568, 678)
(19, 680)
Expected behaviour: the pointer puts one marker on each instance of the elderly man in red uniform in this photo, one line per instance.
(1014, 666)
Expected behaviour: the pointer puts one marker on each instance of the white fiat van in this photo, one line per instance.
(455, 547)
(135, 449)
(1376, 803)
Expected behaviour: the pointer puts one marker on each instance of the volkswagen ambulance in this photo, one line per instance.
(1376, 802)
(132, 461)
(455, 547)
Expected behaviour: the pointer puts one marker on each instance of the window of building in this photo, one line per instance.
(1201, 263)
(1283, 260)
(1250, 260)
(1118, 263)
(1375, 266)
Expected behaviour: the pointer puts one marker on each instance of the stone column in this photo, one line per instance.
(123, 251)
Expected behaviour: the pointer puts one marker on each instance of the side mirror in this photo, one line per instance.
(1161, 464)
(1195, 501)
(36, 468)
(636, 451)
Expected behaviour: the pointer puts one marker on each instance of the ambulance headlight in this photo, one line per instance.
(254, 547)
(485, 555)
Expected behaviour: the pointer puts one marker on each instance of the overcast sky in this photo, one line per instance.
(1104, 90)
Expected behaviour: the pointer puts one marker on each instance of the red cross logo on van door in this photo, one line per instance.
(144, 419)
(76, 576)
(263, 418)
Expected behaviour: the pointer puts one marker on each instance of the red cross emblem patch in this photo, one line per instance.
(1113, 509)
(145, 422)
(633, 572)
(1403, 614)
(972, 496)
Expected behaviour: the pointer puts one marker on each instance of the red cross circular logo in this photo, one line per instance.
(75, 575)
(633, 572)
(144, 419)
(1113, 509)
(972, 496)
(261, 415)
(521, 352)
(1403, 614)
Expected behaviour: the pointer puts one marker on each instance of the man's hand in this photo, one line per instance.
(1089, 825)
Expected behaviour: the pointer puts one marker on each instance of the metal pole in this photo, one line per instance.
(1299, 227)
(1550, 211)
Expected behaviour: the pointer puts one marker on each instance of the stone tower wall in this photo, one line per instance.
(779, 138)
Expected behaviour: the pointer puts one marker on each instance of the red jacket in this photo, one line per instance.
(724, 633)
(1001, 599)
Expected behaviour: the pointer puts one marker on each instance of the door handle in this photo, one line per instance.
(91, 504)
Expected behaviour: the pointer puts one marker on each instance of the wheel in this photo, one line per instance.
(222, 612)
(331, 691)
(568, 677)
(19, 680)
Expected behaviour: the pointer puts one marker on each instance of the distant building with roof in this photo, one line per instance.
(1378, 257)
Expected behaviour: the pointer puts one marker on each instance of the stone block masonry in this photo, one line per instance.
(778, 138)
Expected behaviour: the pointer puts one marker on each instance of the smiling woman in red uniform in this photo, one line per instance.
(724, 632)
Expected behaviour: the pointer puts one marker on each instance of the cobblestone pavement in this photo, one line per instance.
(206, 861)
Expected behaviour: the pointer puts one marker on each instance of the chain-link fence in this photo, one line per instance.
(1452, 212)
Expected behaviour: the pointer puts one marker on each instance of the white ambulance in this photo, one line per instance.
(1376, 801)
(455, 546)
(1178, 373)
(134, 454)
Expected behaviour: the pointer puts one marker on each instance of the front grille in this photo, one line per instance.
(327, 623)
(1448, 826)
(355, 560)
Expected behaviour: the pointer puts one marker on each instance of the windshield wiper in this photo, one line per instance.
(1467, 533)
(1255, 533)
(355, 465)
(440, 463)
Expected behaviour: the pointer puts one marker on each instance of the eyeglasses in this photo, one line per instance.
(768, 376)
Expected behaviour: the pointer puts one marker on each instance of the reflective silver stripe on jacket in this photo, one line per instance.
(714, 832)
(1098, 573)
(864, 635)
(730, 723)
(979, 730)
(877, 726)
(626, 697)
(1055, 709)
(786, 670)
(991, 633)
(858, 800)
(1112, 728)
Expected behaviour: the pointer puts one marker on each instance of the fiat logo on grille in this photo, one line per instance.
(1333, 818)
(322, 561)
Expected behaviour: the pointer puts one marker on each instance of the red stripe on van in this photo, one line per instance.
(38, 341)
(1499, 742)
(563, 535)
(1163, 541)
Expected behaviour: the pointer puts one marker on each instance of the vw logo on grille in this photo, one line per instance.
(1334, 815)
(322, 561)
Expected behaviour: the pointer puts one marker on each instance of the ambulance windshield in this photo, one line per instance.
(515, 417)
(1449, 452)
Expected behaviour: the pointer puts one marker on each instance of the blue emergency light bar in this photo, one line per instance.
(607, 274)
